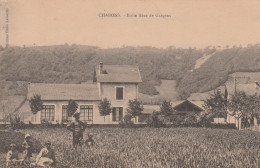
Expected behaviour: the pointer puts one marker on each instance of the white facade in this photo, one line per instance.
(56, 96)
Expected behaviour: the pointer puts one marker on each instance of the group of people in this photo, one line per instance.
(46, 157)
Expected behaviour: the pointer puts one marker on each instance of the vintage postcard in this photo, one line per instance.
(129, 84)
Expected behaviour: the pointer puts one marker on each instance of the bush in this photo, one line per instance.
(127, 122)
(30, 125)
(46, 124)
(156, 120)
(16, 123)
(222, 126)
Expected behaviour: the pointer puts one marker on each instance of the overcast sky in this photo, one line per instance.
(195, 23)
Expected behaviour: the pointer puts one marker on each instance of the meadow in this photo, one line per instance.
(151, 147)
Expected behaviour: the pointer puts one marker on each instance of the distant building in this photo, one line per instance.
(232, 87)
(184, 107)
(188, 107)
(117, 83)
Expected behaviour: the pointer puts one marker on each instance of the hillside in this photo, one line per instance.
(75, 64)
(214, 72)
(242, 79)
(167, 91)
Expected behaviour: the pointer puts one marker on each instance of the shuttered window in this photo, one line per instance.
(119, 93)
(117, 114)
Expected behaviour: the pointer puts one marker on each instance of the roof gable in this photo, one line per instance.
(64, 91)
(187, 106)
(119, 74)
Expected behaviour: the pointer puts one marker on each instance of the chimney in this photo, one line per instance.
(101, 68)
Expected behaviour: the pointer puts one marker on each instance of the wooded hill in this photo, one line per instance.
(75, 64)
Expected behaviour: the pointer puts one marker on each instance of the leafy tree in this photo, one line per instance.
(72, 107)
(36, 104)
(254, 108)
(244, 107)
(166, 109)
(216, 105)
(104, 108)
(135, 108)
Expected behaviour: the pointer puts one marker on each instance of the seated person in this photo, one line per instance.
(12, 156)
(90, 141)
(46, 156)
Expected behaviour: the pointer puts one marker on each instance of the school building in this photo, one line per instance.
(117, 83)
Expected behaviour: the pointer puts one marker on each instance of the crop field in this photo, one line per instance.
(150, 147)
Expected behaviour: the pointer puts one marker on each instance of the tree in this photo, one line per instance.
(72, 107)
(254, 108)
(135, 108)
(104, 108)
(36, 104)
(7, 109)
(166, 109)
(216, 105)
(244, 107)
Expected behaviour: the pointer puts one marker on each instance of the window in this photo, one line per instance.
(65, 116)
(48, 112)
(119, 93)
(117, 114)
(86, 112)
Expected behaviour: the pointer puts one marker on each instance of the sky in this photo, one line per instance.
(193, 23)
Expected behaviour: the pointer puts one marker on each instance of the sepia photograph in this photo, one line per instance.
(129, 84)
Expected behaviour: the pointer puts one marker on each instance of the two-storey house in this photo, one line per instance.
(117, 83)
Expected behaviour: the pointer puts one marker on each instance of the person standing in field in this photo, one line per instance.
(77, 127)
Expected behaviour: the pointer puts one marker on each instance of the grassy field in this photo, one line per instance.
(149, 147)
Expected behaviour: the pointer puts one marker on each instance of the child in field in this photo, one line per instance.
(46, 157)
(12, 156)
(90, 141)
(27, 148)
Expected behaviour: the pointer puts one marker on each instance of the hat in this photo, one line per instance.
(90, 134)
(76, 114)
(27, 135)
(13, 145)
(48, 143)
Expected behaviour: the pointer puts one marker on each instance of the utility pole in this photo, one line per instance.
(235, 85)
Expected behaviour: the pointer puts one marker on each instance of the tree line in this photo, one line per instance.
(76, 63)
